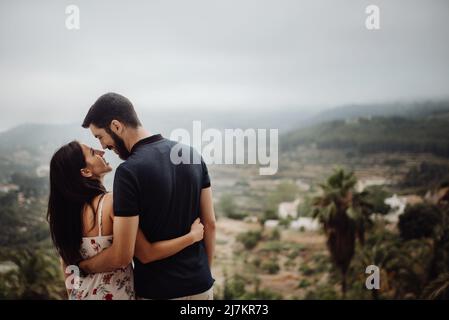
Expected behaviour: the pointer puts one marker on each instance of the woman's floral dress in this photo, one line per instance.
(115, 285)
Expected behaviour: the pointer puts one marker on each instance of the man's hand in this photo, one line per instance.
(148, 252)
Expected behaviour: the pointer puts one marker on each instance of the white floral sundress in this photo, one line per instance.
(115, 285)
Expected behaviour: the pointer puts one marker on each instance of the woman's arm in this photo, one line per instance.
(147, 252)
(121, 252)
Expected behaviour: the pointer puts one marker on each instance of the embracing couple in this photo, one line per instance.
(160, 215)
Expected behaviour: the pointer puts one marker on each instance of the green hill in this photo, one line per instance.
(417, 109)
(379, 134)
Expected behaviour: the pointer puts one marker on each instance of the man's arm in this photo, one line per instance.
(148, 252)
(207, 215)
(120, 253)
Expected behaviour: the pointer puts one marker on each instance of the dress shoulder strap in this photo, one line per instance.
(100, 214)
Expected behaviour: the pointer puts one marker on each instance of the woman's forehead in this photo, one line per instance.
(85, 147)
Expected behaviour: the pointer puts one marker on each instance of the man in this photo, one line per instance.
(160, 197)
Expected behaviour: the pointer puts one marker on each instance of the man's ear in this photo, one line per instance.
(116, 127)
(86, 173)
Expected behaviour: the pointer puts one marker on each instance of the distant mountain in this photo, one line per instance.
(29, 147)
(408, 110)
(419, 130)
(35, 137)
(39, 141)
(40, 136)
(43, 138)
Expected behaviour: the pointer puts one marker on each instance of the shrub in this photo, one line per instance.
(228, 206)
(275, 234)
(249, 239)
(274, 246)
(304, 283)
(268, 215)
(236, 215)
(257, 262)
(306, 270)
(376, 197)
(294, 254)
(234, 288)
(322, 293)
(263, 294)
(272, 267)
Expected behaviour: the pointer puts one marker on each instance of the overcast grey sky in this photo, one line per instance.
(218, 55)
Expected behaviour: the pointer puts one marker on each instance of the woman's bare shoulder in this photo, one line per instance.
(108, 204)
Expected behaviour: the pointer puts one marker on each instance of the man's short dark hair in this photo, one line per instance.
(108, 107)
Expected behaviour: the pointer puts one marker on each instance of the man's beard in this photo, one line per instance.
(120, 147)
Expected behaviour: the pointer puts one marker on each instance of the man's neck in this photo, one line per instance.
(135, 136)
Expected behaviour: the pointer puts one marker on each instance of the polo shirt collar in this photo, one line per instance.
(148, 140)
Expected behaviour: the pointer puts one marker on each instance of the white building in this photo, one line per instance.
(305, 223)
(251, 219)
(8, 187)
(271, 224)
(398, 205)
(288, 209)
(43, 171)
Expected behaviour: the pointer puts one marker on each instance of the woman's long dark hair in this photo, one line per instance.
(70, 192)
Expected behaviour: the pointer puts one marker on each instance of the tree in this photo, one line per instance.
(38, 275)
(344, 215)
(419, 221)
(234, 288)
(438, 289)
(402, 264)
(30, 185)
(41, 275)
(229, 208)
(440, 261)
(268, 215)
(376, 196)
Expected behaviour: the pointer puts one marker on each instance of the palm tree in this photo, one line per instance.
(439, 288)
(401, 271)
(343, 213)
(40, 274)
(381, 254)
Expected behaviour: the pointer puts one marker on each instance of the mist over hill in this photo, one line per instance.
(402, 126)
(401, 109)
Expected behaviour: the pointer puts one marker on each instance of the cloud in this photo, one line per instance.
(218, 55)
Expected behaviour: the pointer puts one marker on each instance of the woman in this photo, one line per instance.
(80, 214)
